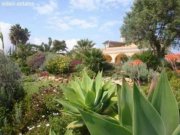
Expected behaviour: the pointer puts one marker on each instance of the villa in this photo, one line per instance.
(114, 50)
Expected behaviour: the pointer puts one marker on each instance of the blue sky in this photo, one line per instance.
(69, 20)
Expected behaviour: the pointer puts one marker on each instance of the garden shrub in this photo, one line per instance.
(93, 59)
(35, 61)
(173, 60)
(37, 108)
(39, 128)
(79, 70)
(59, 123)
(74, 63)
(175, 85)
(136, 70)
(48, 56)
(26, 70)
(149, 58)
(11, 91)
(60, 64)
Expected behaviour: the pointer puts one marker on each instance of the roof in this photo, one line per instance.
(114, 43)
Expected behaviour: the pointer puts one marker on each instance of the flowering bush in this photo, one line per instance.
(136, 62)
(135, 69)
(74, 64)
(35, 61)
(151, 60)
(60, 64)
(43, 74)
(173, 59)
(37, 108)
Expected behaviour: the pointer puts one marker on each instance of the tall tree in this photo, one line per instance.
(18, 35)
(59, 46)
(84, 44)
(2, 40)
(154, 24)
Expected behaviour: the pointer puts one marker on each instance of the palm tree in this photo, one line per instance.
(59, 46)
(1, 38)
(84, 44)
(93, 59)
(18, 35)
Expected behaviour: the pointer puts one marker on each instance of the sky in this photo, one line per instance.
(69, 20)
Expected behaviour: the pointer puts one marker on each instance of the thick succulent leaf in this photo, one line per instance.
(87, 82)
(68, 107)
(125, 104)
(165, 103)
(98, 97)
(97, 125)
(109, 93)
(51, 132)
(110, 107)
(98, 86)
(146, 120)
(81, 86)
(77, 88)
(75, 124)
(107, 85)
(90, 97)
(98, 107)
(177, 131)
(69, 132)
(70, 94)
(98, 82)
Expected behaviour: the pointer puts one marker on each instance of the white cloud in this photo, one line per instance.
(48, 8)
(58, 22)
(83, 4)
(4, 28)
(38, 40)
(108, 25)
(70, 43)
(85, 24)
(69, 22)
(90, 5)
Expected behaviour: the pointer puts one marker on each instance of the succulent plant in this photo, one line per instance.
(139, 115)
(86, 93)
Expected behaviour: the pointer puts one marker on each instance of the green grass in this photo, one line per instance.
(32, 84)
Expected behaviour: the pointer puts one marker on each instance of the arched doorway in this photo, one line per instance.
(121, 58)
(108, 58)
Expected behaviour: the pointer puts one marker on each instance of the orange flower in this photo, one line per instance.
(172, 57)
(136, 62)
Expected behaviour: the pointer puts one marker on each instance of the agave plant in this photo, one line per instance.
(139, 115)
(91, 94)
